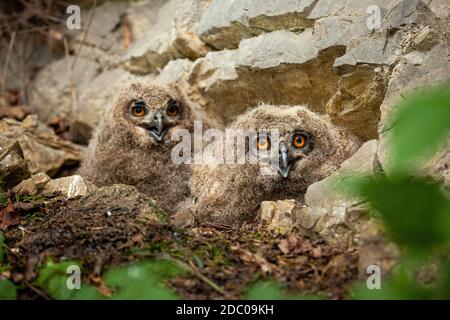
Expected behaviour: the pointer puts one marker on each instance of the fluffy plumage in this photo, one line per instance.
(133, 145)
(232, 194)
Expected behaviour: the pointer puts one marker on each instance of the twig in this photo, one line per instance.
(86, 31)
(73, 92)
(192, 269)
(36, 290)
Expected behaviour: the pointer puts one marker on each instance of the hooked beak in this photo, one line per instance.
(156, 126)
(284, 165)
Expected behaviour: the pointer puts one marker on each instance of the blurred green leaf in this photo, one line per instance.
(401, 286)
(53, 278)
(416, 212)
(268, 290)
(419, 125)
(7, 290)
(142, 281)
(137, 281)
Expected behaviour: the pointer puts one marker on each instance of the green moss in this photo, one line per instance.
(162, 216)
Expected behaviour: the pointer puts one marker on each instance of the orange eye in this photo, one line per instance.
(138, 110)
(299, 141)
(263, 143)
(172, 108)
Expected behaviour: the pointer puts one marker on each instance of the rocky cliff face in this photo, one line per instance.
(352, 60)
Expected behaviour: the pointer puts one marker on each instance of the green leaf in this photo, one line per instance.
(401, 286)
(419, 125)
(53, 278)
(142, 281)
(416, 212)
(7, 290)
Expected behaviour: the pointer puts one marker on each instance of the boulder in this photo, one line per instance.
(331, 213)
(279, 216)
(283, 67)
(172, 35)
(103, 36)
(226, 23)
(67, 187)
(57, 88)
(42, 150)
(13, 167)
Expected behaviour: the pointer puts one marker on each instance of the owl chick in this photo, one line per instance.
(307, 148)
(133, 145)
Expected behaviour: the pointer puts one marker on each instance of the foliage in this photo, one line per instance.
(7, 288)
(419, 126)
(415, 210)
(141, 281)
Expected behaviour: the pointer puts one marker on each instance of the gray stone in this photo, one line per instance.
(69, 187)
(279, 216)
(42, 150)
(57, 88)
(171, 36)
(101, 38)
(13, 167)
(33, 185)
(328, 210)
(226, 23)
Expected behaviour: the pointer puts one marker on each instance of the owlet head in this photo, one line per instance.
(151, 112)
(293, 143)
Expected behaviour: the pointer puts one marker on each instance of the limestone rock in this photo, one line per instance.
(57, 87)
(171, 36)
(331, 213)
(277, 67)
(96, 100)
(40, 183)
(33, 185)
(279, 216)
(69, 187)
(13, 167)
(427, 68)
(226, 23)
(282, 67)
(102, 37)
(43, 151)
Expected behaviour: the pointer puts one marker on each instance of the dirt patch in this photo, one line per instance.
(118, 225)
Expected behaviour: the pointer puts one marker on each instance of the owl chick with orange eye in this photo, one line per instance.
(133, 145)
(294, 147)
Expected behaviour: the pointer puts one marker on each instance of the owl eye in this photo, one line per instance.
(263, 143)
(299, 141)
(173, 108)
(138, 109)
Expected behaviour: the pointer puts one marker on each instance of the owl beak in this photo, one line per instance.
(284, 165)
(156, 126)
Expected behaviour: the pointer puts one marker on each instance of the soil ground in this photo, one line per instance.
(104, 232)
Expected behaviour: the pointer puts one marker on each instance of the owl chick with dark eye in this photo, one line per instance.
(133, 145)
(306, 149)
